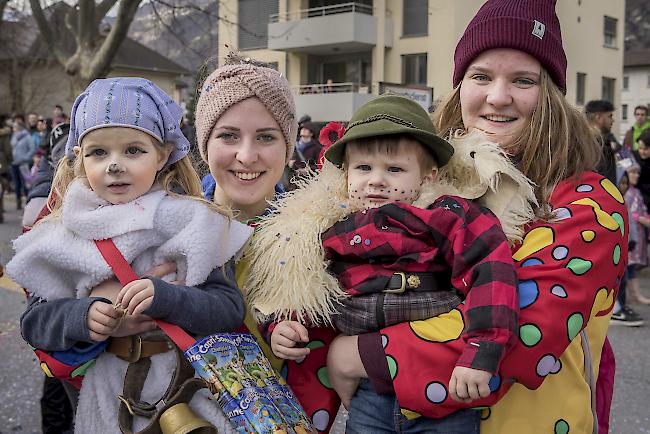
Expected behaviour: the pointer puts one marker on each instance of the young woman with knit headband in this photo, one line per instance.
(510, 80)
(246, 127)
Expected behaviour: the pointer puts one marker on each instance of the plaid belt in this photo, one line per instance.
(366, 313)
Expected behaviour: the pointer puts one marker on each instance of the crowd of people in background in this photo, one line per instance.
(24, 140)
(627, 165)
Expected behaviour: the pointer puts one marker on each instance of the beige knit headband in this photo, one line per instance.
(231, 84)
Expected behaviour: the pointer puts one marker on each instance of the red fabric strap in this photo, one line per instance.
(125, 274)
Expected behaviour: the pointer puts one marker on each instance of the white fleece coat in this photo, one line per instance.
(59, 259)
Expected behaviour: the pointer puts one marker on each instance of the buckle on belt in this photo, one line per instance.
(402, 287)
(135, 351)
(127, 404)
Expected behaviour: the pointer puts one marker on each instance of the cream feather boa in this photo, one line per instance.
(288, 274)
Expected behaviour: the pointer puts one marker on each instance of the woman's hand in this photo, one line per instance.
(344, 367)
(107, 289)
(134, 325)
(161, 270)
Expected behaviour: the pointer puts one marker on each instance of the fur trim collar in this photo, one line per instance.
(288, 275)
(86, 214)
(58, 258)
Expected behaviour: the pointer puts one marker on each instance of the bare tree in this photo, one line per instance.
(637, 25)
(93, 52)
(3, 5)
(15, 40)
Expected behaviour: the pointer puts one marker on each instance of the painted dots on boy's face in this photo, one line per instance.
(376, 178)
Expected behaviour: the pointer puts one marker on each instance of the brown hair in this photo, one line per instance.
(558, 144)
(645, 138)
(177, 177)
(389, 145)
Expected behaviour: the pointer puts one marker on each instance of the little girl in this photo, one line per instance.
(126, 163)
(638, 257)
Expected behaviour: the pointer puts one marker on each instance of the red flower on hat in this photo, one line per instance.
(329, 135)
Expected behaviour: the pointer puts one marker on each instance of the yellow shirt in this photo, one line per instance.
(241, 270)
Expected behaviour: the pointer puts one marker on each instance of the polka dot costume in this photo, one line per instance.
(568, 270)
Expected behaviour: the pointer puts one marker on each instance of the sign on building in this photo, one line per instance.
(423, 95)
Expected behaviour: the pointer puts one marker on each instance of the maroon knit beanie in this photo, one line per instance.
(527, 25)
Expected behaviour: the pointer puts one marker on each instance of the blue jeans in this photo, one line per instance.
(20, 186)
(371, 413)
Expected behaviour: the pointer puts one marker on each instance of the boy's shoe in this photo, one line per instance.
(627, 317)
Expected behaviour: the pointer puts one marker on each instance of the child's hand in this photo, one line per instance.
(468, 384)
(645, 221)
(136, 297)
(102, 320)
(284, 338)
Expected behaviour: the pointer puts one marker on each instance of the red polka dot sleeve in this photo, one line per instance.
(568, 270)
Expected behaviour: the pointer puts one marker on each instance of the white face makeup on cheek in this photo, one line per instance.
(499, 93)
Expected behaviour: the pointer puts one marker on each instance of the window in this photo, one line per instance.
(626, 82)
(608, 89)
(416, 18)
(254, 21)
(610, 31)
(414, 69)
(581, 83)
(624, 112)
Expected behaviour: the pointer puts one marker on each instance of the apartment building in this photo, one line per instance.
(636, 85)
(337, 55)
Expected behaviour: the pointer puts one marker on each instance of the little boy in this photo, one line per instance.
(389, 152)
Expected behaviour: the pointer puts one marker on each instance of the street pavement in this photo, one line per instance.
(21, 379)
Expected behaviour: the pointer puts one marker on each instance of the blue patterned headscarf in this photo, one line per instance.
(132, 103)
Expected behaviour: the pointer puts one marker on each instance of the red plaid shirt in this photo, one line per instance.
(453, 236)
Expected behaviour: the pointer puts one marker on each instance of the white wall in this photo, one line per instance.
(638, 93)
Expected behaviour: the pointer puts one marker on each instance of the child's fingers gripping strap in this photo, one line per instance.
(125, 274)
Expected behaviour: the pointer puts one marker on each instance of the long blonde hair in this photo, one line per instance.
(558, 144)
(179, 179)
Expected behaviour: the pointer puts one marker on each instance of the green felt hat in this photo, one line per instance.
(387, 115)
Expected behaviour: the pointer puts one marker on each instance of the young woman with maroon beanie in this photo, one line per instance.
(510, 81)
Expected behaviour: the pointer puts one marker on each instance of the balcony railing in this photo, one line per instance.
(322, 11)
(307, 89)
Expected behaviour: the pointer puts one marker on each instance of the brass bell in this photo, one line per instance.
(180, 419)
